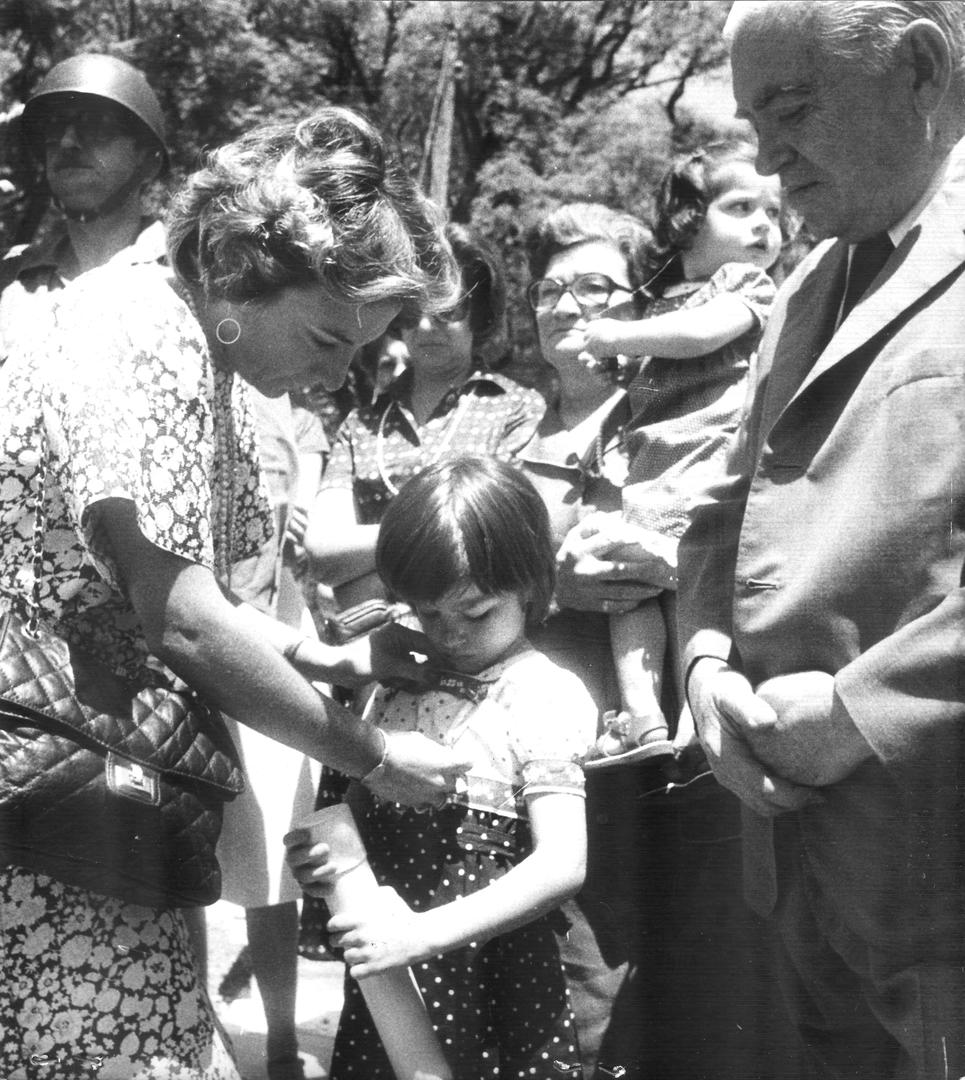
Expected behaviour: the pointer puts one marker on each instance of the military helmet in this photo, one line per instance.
(99, 75)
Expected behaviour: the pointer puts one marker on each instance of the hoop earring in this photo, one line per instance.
(235, 332)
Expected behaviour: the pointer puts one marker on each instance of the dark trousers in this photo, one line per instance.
(670, 973)
(865, 1013)
(662, 926)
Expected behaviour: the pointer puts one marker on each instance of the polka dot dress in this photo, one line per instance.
(501, 1008)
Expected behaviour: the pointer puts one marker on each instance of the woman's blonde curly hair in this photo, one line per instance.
(324, 198)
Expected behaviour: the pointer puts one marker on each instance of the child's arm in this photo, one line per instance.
(680, 335)
(394, 935)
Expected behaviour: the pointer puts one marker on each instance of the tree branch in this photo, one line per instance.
(670, 105)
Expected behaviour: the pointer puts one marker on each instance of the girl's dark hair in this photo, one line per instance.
(325, 198)
(689, 186)
(468, 519)
(583, 223)
(485, 283)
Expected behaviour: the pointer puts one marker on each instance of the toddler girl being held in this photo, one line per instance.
(466, 543)
(717, 233)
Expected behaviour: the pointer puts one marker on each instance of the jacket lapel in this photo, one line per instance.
(804, 331)
(933, 249)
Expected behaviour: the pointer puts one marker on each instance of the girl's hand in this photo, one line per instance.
(387, 934)
(309, 863)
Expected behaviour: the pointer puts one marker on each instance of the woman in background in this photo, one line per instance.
(660, 933)
(447, 401)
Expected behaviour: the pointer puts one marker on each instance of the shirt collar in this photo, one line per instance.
(902, 228)
(398, 390)
(54, 252)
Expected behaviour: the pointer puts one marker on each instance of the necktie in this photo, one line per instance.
(867, 259)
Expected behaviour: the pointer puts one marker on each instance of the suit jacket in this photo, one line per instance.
(836, 543)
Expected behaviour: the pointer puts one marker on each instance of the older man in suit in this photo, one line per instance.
(821, 592)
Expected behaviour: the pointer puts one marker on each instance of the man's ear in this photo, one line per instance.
(152, 161)
(927, 57)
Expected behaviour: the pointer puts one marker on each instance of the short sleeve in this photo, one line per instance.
(748, 283)
(133, 414)
(553, 723)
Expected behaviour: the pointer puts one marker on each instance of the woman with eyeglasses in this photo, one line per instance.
(588, 261)
(448, 400)
(660, 930)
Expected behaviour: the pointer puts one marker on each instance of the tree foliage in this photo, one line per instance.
(554, 99)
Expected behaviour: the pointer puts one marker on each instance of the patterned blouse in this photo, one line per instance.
(527, 736)
(120, 400)
(380, 446)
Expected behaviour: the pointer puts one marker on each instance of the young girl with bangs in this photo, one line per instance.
(478, 879)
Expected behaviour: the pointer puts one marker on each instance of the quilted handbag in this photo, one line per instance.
(113, 790)
(105, 786)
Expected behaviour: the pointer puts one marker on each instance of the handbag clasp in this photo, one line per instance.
(132, 780)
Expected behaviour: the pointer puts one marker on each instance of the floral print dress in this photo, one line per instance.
(119, 401)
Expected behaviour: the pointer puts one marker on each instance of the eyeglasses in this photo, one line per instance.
(91, 127)
(591, 291)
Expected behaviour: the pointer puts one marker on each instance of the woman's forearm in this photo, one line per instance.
(339, 549)
(347, 553)
(314, 659)
(218, 650)
(230, 658)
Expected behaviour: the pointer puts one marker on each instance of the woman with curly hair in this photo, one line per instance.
(292, 247)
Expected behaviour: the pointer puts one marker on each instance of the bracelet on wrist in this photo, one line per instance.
(377, 771)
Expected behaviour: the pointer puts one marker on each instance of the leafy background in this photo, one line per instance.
(552, 99)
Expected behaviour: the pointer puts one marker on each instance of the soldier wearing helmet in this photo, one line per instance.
(96, 127)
